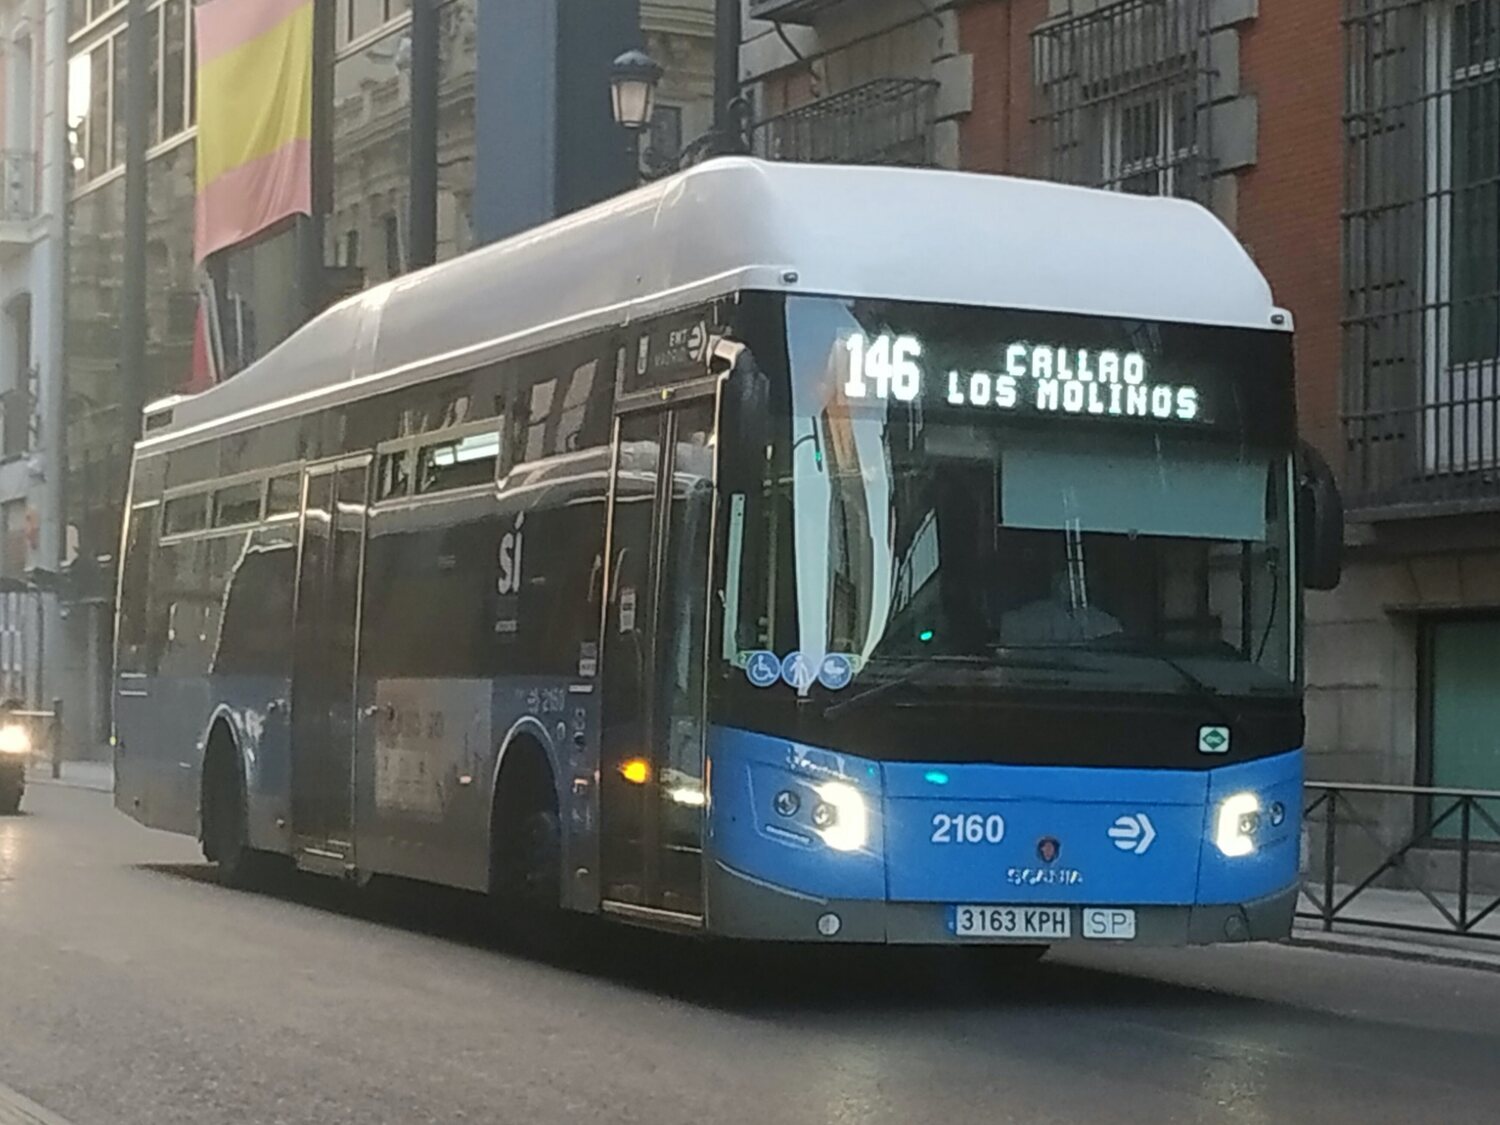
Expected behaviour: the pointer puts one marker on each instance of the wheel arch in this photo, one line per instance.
(527, 740)
(223, 739)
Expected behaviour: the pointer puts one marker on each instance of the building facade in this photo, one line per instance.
(363, 226)
(1354, 148)
(28, 354)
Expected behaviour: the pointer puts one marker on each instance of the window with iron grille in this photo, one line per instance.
(1422, 251)
(1121, 96)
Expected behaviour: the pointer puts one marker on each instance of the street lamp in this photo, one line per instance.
(634, 78)
(632, 85)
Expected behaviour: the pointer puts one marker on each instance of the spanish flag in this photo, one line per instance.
(254, 117)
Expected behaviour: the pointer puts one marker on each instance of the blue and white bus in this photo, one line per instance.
(776, 552)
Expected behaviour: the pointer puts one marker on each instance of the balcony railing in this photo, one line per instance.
(886, 121)
(1442, 455)
(17, 185)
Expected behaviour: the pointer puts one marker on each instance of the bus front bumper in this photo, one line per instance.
(747, 908)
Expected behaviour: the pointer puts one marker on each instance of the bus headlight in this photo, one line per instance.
(14, 740)
(1236, 823)
(842, 818)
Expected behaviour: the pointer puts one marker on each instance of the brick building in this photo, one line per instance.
(1354, 147)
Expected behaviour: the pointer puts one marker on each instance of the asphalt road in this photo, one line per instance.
(135, 992)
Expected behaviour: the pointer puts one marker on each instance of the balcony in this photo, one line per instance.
(886, 121)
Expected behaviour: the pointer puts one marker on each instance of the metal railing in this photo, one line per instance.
(1421, 323)
(885, 121)
(1122, 96)
(1456, 826)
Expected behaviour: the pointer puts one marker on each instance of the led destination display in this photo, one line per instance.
(1038, 378)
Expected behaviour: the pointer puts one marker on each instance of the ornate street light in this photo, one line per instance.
(632, 85)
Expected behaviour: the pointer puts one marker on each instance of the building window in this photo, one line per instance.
(176, 19)
(1147, 142)
(393, 256)
(358, 18)
(664, 139)
(1461, 711)
(96, 90)
(1473, 128)
(1119, 92)
(81, 13)
(1422, 252)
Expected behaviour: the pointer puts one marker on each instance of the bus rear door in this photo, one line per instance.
(651, 769)
(324, 654)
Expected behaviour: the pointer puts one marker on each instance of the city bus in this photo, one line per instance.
(775, 552)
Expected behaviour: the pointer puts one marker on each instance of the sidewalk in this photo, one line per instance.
(98, 776)
(1370, 924)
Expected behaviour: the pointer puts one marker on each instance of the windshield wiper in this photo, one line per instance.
(870, 694)
(1211, 695)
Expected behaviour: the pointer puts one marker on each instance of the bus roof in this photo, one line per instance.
(736, 224)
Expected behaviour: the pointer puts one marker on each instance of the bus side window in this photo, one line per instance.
(460, 463)
(393, 476)
(284, 495)
(185, 513)
(237, 504)
(562, 413)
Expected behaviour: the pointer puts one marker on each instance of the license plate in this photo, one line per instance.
(1111, 924)
(1016, 923)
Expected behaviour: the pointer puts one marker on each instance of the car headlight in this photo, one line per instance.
(841, 817)
(1236, 823)
(14, 739)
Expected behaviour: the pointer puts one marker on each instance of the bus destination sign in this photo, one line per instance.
(1029, 379)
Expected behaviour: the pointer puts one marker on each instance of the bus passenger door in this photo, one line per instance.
(324, 654)
(651, 786)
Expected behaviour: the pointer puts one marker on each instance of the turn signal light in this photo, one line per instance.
(637, 771)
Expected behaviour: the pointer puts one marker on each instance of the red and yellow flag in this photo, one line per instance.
(254, 117)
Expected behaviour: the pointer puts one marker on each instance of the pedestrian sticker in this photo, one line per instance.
(798, 671)
(836, 671)
(763, 669)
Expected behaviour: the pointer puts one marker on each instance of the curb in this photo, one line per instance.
(1397, 950)
(44, 777)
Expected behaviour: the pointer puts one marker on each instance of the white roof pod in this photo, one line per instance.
(738, 223)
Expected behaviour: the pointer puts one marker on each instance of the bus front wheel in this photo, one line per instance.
(226, 822)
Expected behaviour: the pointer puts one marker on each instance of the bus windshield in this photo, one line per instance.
(938, 537)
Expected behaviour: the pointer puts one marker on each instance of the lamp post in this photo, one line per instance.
(634, 78)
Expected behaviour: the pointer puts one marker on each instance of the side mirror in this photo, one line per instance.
(1320, 522)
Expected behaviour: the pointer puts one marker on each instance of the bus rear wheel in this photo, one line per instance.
(526, 862)
(10, 797)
